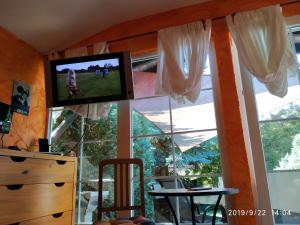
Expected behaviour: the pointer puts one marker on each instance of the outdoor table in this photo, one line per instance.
(191, 193)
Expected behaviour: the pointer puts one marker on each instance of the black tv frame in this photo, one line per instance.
(125, 79)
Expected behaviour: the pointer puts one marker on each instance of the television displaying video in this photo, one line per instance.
(89, 79)
(5, 118)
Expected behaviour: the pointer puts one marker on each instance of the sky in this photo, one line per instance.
(85, 65)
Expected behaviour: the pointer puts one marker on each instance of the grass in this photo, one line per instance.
(91, 85)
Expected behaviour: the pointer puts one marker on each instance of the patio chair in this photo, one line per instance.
(121, 196)
(202, 210)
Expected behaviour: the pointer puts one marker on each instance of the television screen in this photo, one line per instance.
(90, 79)
(5, 118)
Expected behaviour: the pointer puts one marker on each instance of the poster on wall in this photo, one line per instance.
(21, 98)
(5, 118)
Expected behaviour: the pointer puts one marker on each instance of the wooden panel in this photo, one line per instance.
(64, 219)
(36, 155)
(33, 171)
(33, 201)
(148, 24)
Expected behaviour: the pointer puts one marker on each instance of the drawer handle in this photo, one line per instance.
(17, 158)
(14, 187)
(61, 162)
(57, 215)
(59, 184)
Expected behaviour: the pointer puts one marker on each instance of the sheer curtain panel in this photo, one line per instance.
(182, 54)
(264, 48)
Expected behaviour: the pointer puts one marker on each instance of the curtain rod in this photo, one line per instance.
(214, 18)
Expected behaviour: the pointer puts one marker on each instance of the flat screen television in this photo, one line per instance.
(89, 79)
(5, 118)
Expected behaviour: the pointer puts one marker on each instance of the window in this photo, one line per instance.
(92, 141)
(178, 143)
(279, 121)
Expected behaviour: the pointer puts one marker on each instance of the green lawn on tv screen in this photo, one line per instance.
(91, 85)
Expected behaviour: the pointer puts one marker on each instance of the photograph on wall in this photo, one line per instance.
(5, 118)
(21, 98)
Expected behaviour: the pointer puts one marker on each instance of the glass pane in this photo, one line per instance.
(104, 128)
(197, 116)
(284, 189)
(203, 181)
(144, 84)
(93, 153)
(280, 133)
(62, 147)
(281, 143)
(66, 127)
(206, 82)
(204, 205)
(271, 107)
(88, 198)
(207, 67)
(200, 157)
(156, 152)
(144, 75)
(151, 116)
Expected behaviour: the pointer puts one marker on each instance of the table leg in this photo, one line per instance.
(216, 209)
(193, 210)
(172, 210)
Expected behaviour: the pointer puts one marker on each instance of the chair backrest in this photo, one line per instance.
(184, 202)
(121, 185)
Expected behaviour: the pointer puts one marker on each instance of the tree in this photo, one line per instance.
(277, 136)
(291, 161)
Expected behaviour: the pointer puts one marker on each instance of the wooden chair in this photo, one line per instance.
(121, 184)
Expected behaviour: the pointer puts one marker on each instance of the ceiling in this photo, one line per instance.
(55, 24)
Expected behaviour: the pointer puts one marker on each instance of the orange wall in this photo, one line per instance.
(18, 61)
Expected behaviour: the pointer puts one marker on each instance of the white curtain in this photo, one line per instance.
(91, 111)
(182, 54)
(100, 47)
(263, 46)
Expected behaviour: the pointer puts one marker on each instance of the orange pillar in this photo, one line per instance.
(236, 169)
(124, 143)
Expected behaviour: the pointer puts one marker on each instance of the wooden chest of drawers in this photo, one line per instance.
(37, 188)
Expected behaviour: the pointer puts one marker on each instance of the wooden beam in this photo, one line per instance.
(235, 165)
(291, 9)
(152, 23)
(137, 45)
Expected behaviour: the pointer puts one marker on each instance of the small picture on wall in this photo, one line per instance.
(21, 98)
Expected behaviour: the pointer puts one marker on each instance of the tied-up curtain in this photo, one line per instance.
(182, 54)
(263, 46)
(92, 111)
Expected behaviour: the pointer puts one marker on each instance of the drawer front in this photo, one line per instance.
(18, 170)
(63, 219)
(33, 201)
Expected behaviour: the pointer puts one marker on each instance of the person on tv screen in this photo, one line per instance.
(107, 69)
(71, 84)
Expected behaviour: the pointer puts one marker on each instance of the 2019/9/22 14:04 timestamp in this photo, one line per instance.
(258, 212)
